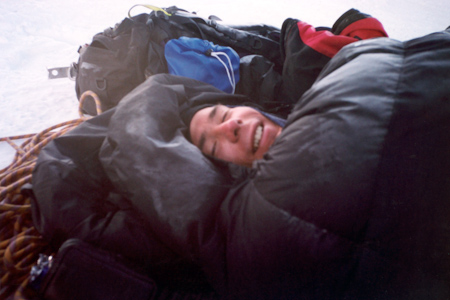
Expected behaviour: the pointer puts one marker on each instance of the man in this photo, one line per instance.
(239, 134)
(242, 134)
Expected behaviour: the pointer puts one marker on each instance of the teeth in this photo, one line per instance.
(257, 139)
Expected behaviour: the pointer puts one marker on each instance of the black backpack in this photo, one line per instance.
(120, 58)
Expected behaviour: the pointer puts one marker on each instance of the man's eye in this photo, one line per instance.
(213, 150)
(225, 116)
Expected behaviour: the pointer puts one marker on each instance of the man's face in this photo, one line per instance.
(239, 134)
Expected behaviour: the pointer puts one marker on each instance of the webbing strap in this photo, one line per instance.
(176, 18)
(154, 8)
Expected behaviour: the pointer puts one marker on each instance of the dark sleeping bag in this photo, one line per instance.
(351, 202)
(353, 199)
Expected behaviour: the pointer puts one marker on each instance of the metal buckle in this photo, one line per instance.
(63, 72)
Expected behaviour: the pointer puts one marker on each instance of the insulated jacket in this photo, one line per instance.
(305, 50)
(351, 202)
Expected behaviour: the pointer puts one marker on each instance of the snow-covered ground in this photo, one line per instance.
(40, 34)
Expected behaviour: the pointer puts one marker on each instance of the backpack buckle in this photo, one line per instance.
(63, 72)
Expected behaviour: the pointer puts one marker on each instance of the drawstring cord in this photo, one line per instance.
(228, 68)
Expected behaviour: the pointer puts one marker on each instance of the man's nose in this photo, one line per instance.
(230, 129)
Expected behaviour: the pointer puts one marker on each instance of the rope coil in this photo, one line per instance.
(20, 242)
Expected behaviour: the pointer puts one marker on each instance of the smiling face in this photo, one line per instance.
(239, 134)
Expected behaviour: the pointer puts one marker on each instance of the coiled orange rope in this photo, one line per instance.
(20, 242)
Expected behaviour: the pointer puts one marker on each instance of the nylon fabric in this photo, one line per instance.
(202, 60)
(356, 184)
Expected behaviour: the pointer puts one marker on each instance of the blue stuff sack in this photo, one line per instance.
(202, 60)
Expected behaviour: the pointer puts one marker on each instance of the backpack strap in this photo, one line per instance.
(152, 7)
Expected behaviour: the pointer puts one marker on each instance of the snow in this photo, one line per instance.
(41, 34)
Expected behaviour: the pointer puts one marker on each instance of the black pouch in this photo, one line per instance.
(82, 271)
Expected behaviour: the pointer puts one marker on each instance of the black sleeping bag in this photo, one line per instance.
(351, 202)
(353, 199)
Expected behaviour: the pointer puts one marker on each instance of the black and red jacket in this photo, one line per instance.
(305, 50)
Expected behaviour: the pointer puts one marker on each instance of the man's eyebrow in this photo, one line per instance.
(211, 116)
(213, 112)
